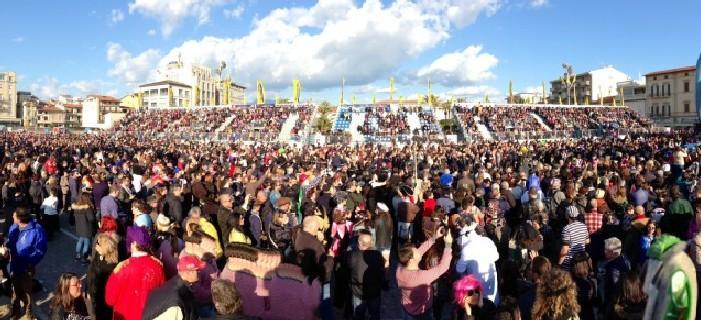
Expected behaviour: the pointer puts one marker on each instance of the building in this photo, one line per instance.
(101, 112)
(165, 94)
(8, 98)
(589, 86)
(633, 94)
(131, 101)
(23, 97)
(187, 85)
(50, 116)
(73, 115)
(526, 98)
(671, 96)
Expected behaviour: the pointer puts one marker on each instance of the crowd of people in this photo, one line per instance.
(170, 229)
(380, 121)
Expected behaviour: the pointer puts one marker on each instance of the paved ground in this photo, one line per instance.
(59, 259)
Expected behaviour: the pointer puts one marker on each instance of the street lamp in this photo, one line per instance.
(569, 80)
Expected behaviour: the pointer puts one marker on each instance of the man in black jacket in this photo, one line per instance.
(174, 300)
(367, 270)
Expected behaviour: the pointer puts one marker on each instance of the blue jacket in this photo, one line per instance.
(27, 246)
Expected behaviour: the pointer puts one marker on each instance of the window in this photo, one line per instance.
(666, 77)
(657, 90)
(657, 110)
(662, 90)
(164, 91)
(669, 89)
(686, 107)
(686, 86)
(2, 77)
(654, 78)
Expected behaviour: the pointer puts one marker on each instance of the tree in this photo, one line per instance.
(323, 124)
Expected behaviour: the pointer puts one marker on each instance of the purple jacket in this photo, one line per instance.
(109, 207)
(99, 190)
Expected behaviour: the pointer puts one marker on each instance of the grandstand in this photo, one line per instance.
(383, 123)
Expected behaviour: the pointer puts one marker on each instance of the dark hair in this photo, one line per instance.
(23, 215)
(227, 300)
(62, 298)
(406, 253)
(631, 290)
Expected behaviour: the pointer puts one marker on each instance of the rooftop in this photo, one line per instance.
(675, 70)
(159, 83)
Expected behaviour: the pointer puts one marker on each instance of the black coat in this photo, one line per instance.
(99, 271)
(174, 293)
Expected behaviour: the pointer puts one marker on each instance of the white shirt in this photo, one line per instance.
(50, 205)
(478, 257)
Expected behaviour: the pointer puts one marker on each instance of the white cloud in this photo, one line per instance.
(18, 39)
(152, 32)
(171, 13)
(235, 12)
(461, 67)
(50, 87)
(131, 69)
(319, 44)
(537, 3)
(117, 16)
(479, 90)
(368, 89)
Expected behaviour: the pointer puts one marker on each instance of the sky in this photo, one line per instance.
(468, 48)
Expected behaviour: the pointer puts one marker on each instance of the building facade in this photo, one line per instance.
(189, 85)
(100, 112)
(671, 97)
(634, 95)
(8, 98)
(23, 97)
(165, 94)
(588, 86)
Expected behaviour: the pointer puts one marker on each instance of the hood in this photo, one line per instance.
(661, 245)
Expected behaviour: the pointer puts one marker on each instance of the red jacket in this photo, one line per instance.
(130, 284)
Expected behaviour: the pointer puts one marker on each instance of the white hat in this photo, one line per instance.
(162, 222)
(382, 207)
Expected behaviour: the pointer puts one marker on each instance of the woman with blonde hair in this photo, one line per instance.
(101, 266)
(67, 302)
(557, 297)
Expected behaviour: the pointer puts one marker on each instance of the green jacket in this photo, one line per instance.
(681, 206)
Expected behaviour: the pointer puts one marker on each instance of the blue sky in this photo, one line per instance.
(468, 47)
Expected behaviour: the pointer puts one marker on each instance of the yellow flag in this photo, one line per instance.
(391, 88)
(430, 96)
(353, 100)
(511, 92)
(197, 96)
(343, 84)
(623, 98)
(374, 100)
(486, 98)
(261, 92)
(574, 88)
(586, 100)
(560, 99)
(419, 99)
(170, 96)
(545, 101)
(296, 91)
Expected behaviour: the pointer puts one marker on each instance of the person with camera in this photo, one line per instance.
(415, 284)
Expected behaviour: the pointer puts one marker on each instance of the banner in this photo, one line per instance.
(296, 91)
(261, 92)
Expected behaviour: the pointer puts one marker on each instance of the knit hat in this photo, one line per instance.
(139, 235)
(572, 211)
(190, 263)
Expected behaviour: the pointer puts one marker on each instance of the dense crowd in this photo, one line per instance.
(168, 229)
(380, 121)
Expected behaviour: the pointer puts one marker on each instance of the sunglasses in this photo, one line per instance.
(472, 292)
